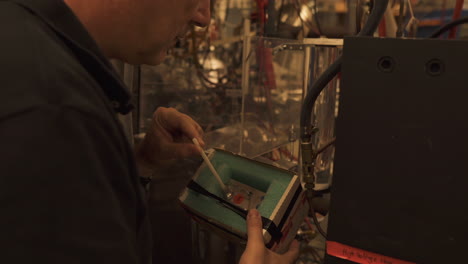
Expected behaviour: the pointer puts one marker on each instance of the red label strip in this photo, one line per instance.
(360, 256)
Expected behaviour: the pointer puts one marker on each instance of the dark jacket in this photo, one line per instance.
(69, 189)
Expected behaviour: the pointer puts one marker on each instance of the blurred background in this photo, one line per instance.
(243, 79)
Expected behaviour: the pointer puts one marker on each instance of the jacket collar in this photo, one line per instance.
(61, 19)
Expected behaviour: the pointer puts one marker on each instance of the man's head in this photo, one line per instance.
(139, 31)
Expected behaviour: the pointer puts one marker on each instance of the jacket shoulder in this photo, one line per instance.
(37, 68)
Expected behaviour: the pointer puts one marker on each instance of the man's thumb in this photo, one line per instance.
(293, 253)
(254, 230)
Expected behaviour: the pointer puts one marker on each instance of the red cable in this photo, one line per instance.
(307, 220)
(456, 15)
(382, 28)
(261, 14)
(288, 154)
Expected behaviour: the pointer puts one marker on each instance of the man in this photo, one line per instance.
(69, 183)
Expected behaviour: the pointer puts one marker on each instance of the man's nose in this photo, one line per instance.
(202, 15)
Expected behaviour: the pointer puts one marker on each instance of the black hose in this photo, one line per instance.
(314, 217)
(313, 93)
(316, 18)
(448, 26)
(317, 86)
(399, 32)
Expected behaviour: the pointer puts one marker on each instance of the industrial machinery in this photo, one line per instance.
(259, 118)
(374, 123)
(400, 174)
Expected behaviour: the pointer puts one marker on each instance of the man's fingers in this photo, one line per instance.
(198, 128)
(191, 129)
(175, 122)
(255, 250)
(293, 253)
(180, 150)
(254, 230)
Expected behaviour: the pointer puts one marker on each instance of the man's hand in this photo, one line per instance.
(256, 252)
(169, 136)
